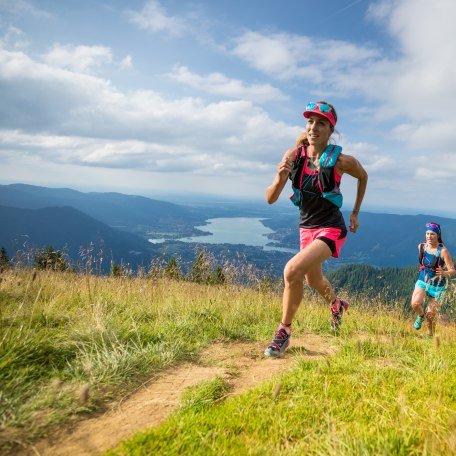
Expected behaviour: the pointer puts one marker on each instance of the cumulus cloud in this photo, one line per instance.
(21, 7)
(219, 84)
(445, 173)
(61, 107)
(419, 99)
(126, 62)
(78, 58)
(137, 129)
(155, 18)
(14, 38)
(424, 72)
(286, 56)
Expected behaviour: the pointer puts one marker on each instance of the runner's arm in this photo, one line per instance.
(283, 171)
(449, 271)
(350, 165)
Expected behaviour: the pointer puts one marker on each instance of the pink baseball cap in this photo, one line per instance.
(322, 109)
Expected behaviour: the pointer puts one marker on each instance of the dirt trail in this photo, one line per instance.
(241, 364)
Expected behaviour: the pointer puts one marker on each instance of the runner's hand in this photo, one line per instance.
(440, 272)
(354, 222)
(284, 168)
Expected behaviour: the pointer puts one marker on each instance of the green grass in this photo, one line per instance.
(373, 398)
(385, 391)
(60, 332)
(205, 394)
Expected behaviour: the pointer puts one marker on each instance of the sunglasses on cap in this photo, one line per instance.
(322, 107)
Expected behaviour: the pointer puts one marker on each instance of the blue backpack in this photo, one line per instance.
(327, 184)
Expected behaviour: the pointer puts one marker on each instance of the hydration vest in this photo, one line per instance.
(327, 184)
(436, 262)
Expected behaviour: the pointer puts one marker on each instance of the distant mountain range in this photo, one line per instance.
(71, 231)
(126, 212)
(119, 225)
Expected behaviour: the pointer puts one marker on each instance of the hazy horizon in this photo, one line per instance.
(189, 198)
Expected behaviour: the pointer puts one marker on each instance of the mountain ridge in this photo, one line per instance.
(383, 240)
(69, 230)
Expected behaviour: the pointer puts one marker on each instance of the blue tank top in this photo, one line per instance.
(427, 274)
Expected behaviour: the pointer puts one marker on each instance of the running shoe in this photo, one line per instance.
(279, 344)
(337, 310)
(418, 322)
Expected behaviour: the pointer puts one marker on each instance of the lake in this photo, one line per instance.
(234, 230)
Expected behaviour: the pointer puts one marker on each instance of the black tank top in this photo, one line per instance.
(316, 211)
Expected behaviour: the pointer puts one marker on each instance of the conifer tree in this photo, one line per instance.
(218, 278)
(4, 260)
(50, 258)
(172, 269)
(201, 269)
(116, 269)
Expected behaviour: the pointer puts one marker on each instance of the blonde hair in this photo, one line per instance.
(301, 140)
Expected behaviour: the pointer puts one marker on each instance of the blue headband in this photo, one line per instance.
(433, 227)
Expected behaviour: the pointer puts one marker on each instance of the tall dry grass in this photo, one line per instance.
(70, 342)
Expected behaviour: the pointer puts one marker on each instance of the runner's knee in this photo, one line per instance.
(292, 274)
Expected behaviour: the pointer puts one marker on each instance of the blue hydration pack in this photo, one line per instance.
(327, 184)
(437, 261)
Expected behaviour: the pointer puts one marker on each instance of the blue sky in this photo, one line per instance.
(169, 97)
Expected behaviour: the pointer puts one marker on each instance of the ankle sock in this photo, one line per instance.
(335, 306)
(286, 327)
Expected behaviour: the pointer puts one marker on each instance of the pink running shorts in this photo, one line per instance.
(334, 238)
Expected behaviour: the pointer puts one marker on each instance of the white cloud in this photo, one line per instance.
(84, 120)
(78, 58)
(219, 84)
(57, 108)
(127, 62)
(425, 172)
(416, 136)
(426, 76)
(20, 7)
(155, 18)
(286, 56)
(419, 99)
(14, 38)
(380, 10)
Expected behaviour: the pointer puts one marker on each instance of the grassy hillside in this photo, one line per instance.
(393, 286)
(71, 342)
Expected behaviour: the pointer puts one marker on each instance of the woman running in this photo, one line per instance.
(436, 267)
(316, 169)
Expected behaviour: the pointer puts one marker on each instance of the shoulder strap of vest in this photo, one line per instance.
(329, 156)
(421, 254)
(298, 166)
(438, 257)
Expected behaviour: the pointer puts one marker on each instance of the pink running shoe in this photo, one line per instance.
(337, 309)
(278, 345)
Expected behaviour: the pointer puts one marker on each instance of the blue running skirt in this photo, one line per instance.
(431, 290)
